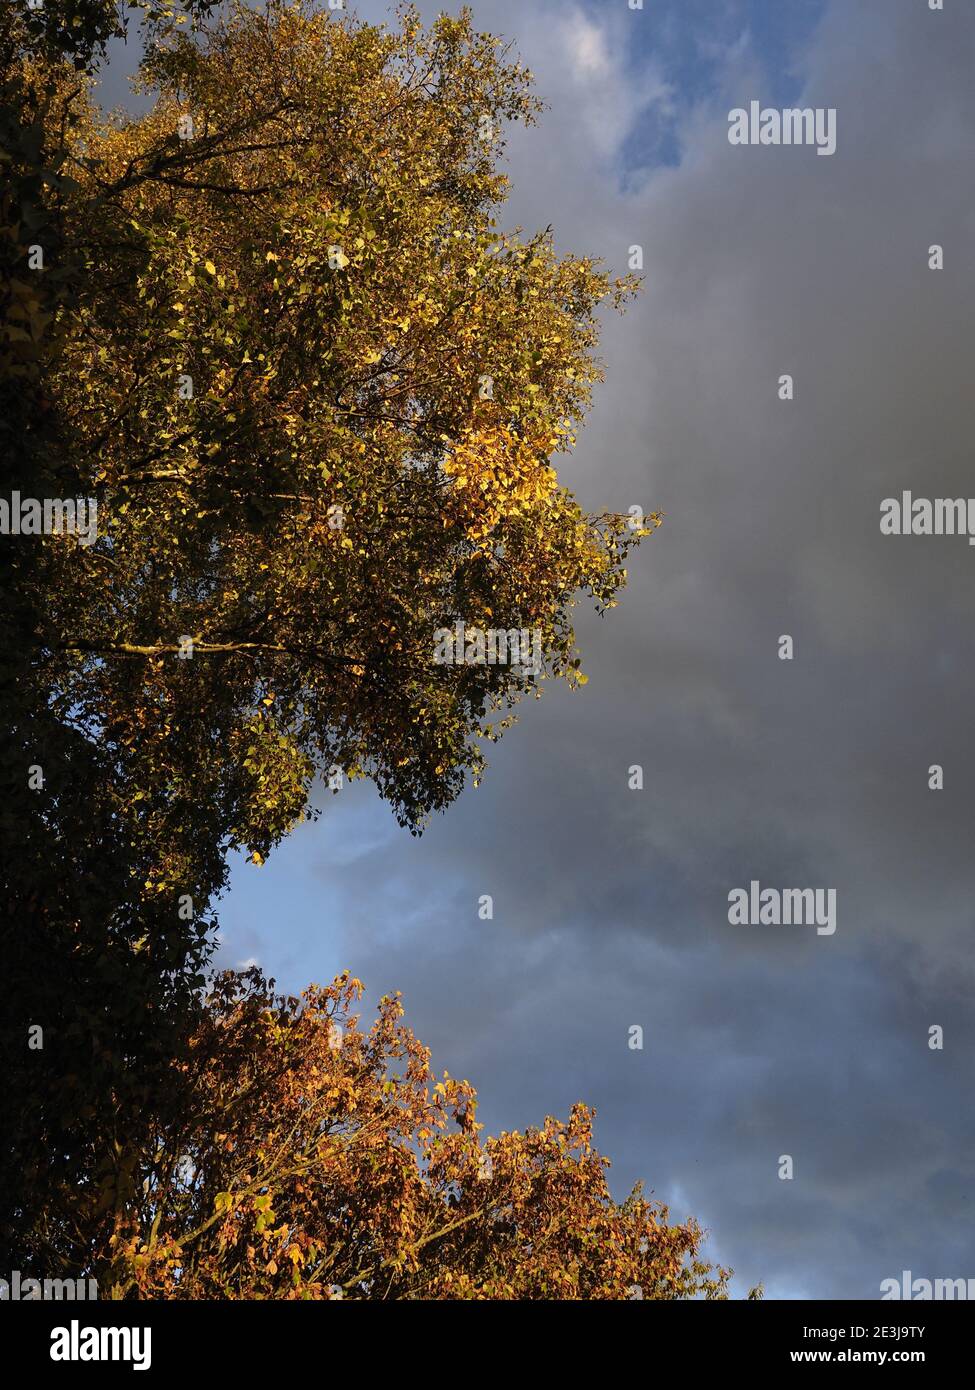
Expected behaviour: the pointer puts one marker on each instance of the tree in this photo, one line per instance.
(90, 1018)
(314, 1159)
(315, 392)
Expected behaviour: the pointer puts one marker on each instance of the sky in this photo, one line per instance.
(611, 904)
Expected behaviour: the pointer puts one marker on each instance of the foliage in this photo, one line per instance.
(321, 262)
(315, 1159)
(381, 380)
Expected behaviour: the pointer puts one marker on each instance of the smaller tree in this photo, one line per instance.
(310, 1159)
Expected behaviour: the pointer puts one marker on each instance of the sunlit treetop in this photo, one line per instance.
(313, 1158)
(318, 392)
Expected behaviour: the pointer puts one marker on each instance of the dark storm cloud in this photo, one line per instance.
(610, 905)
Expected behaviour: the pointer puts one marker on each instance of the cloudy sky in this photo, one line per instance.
(611, 905)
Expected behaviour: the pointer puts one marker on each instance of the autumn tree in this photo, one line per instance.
(312, 1159)
(82, 1007)
(316, 392)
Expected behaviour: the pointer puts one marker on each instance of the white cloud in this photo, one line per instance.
(586, 45)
